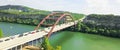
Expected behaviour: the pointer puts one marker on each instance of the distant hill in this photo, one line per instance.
(27, 12)
(17, 9)
(25, 15)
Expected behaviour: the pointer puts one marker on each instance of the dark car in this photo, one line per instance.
(7, 39)
(37, 31)
(25, 34)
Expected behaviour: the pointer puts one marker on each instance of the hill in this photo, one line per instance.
(108, 25)
(110, 21)
(17, 9)
(25, 15)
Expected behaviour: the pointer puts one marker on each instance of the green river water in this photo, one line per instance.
(68, 40)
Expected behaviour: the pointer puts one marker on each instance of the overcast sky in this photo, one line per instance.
(77, 6)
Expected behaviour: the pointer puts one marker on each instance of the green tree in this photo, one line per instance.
(46, 45)
(1, 33)
(1, 19)
(4, 18)
(19, 20)
(79, 26)
(35, 21)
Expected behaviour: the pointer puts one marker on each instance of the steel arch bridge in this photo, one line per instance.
(57, 20)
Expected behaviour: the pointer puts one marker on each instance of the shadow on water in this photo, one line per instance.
(59, 40)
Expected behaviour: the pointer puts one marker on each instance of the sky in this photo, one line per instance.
(76, 6)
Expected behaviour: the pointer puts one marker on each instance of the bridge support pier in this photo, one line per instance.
(19, 47)
(34, 42)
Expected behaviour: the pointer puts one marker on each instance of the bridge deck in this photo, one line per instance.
(30, 37)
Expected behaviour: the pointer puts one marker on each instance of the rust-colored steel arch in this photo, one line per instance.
(43, 21)
(64, 15)
(61, 16)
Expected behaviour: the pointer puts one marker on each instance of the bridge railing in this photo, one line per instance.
(28, 33)
(39, 33)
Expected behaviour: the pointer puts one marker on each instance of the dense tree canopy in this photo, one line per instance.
(101, 24)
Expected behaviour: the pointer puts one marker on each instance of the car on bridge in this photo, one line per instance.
(29, 32)
(12, 37)
(32, 32)
(25, 34)
(37, 31)
(20, 35)
(7, 39)
(1, 41)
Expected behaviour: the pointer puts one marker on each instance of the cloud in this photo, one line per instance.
(98, 3)
(98, 6)
(118, 1)
(103, 7)
(79, 6)
(71, 5)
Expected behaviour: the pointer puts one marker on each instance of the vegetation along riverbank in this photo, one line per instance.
(25, 15)
(107, 25)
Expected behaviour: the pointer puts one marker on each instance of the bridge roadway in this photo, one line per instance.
(5, 45)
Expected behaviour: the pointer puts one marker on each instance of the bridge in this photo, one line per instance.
(17, 42)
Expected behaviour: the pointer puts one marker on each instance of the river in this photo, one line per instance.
(82, 41)
(13, 29)
(68, 40)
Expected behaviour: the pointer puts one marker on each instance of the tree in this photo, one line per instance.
(1, 19)
(4, 18)
(1, 33)
(79, 26)
(46, 45)
(19, 20)
(35, 21)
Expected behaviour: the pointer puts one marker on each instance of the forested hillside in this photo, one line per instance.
(25, 15)
(108, 25)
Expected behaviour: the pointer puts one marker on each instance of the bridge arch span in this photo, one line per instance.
(56, 22)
